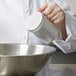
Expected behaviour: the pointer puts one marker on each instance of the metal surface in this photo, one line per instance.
(23, 59)
(41, 27)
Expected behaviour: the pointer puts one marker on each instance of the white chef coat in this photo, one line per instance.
(13, 15)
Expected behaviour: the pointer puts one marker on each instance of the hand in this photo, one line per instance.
(56, 15)
(53, 12)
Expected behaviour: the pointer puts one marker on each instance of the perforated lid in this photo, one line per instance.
(33, 21)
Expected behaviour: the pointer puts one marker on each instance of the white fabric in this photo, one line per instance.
(13, 14)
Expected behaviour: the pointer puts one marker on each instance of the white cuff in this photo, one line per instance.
(64, 46)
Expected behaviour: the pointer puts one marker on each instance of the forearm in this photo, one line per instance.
(62, 29)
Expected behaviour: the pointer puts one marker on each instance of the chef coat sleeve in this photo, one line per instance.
(69, 45)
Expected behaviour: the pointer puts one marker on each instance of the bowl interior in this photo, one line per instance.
(24, 49)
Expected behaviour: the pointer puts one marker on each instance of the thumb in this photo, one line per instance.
(42, 8)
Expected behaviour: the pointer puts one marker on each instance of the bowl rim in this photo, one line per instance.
(50, 47)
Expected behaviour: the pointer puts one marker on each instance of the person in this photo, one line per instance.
(13, 14)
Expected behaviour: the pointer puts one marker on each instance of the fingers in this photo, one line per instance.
(53, 12)
(57, 17)
(59, 20)
(49, 9)
(42, 8)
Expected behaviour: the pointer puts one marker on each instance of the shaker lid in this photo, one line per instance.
(33, 21)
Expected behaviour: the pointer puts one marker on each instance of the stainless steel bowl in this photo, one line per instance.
(23, 59)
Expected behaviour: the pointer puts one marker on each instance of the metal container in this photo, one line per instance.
(41, 27)
(23, 59)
